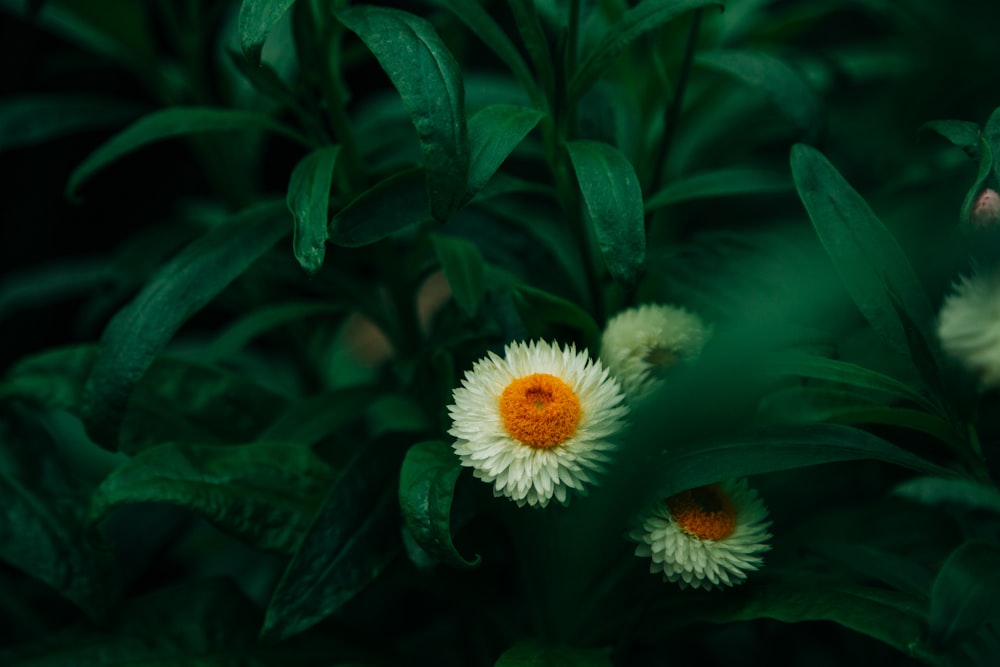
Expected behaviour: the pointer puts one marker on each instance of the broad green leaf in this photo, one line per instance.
(429, 80)
(263, 493)
(42, 531)
(178, 400)
(29, 120)
(642, 18)
(465, 269)
(53, 378)
(182, 287)
(168, 123)
(964, 595)
(477, 20)
(426, 487)
(257, 17)
(869, 261)
(392, 204)
(238, 335)
(894, 618)
(613, 201)
(202, 622)
(538, 654)
(494, 133)
(540, 307)
(533, 36)
(720, 183)
(962, 133)
(309, 201)
(965, 493)
(784, 85)
(351, 540)
(307, 422)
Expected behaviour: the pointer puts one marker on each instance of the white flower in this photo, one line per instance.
(708, 537)
(537, 422)
(640, 342)
(969, 326)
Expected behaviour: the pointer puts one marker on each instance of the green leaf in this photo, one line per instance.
(395, 413)
(538, 307)
(352, 539)
(533, 36)
(238, 335)
(719, 183)
(201, 622)
(464, 268)
(309, 201)
(965, 493)
(477, 20)
(257, 17)
(964, 594)
(986, 167)
(263, 493)
(33, 119)
(429, 80)
(784, 85)
(613, 202)
(642, 18)
(42, 531)
(307, 422)
(392, 204)
(888, 616)
(901, 573)
(426, 487)
(866, 256)
(53, 378)
(168, 123)
(537, 654)
(182, 287)
(494, 133)
(964, 134)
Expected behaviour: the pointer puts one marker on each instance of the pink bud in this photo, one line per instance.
(986, 210)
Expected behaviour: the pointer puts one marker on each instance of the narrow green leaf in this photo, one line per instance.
(309, 201)
(533, 36)
(42, 531)
(866, 256)
(238, 335)
(642, 18)
(257, 17)
(392, 204)
(263, 493)
(613, 202)
(351, 540)
(965, 493)
(465, 270)
(537, 654)
(540, 307)
(53, 378)
(477, 20)
(307, 422)
(901, 573)
(29, 120)
(720, 183)
(426, 487)
(964, 594)
(494, 133)
(962, 133)
(429, 80)
(784, 85)
(168, 123)
(182, 287)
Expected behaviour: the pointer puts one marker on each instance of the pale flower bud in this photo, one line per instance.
(986, 211)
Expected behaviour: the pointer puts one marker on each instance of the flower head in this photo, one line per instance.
(969, 326)
(640, 342)
(536, 422)
(707, 537)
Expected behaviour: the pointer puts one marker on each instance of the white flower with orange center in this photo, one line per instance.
(707, 537)
(640, 343)
(969, 326)
(537, 422)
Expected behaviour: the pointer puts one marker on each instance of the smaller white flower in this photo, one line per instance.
(708, 537)
(538, 422)
(969, 326)
(639, 343)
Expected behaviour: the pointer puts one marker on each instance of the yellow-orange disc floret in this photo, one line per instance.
(540, 410)
(705, 512)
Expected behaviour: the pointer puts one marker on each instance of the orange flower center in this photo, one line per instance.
(540, 410)
(705, 512)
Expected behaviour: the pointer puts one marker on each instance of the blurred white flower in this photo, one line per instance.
(707, 537)
(638, 343)
(537, 422)
(969, 326)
